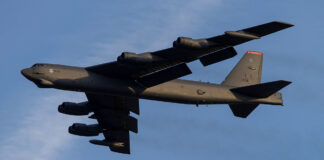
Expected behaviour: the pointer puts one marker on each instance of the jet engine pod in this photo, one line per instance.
(133, 58)
(184, 42)
(81, 129)
(127, 56)
(77, 109)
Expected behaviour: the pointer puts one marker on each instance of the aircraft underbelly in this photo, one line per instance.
(189, 92)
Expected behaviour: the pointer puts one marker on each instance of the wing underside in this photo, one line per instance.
(113, 116)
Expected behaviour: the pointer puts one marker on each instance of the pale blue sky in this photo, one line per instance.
(83, 33)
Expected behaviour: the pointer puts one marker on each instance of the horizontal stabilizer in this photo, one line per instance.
(218, 56)
(165, 75)
(243, 110)
(261, 90)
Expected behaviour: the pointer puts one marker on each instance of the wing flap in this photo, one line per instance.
(110, 119)
(129, 71)
(165, 75)
(112, 114)
(218, 56)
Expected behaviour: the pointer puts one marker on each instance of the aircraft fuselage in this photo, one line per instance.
(178, 91)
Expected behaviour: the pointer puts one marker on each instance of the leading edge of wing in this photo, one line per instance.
(233, 38)
(176, 55)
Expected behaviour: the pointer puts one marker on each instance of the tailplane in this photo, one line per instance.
(245, 80)
(262, 90)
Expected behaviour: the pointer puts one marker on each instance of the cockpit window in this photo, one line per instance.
(38, 65)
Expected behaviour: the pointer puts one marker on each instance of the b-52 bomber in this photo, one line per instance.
(113, 89)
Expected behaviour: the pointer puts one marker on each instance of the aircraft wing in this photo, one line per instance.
(112, 114)
(147, 67)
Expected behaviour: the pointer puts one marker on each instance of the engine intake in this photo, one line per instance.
(184, 42)
(77, 109)
(81, 129)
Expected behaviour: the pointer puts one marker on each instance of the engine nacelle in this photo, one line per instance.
(81, 129)
(133, 58)
(184, 42)
(77, 109)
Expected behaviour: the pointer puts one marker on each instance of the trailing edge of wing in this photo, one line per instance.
(268, 28)
(178, 55)
(117, 141)
(165, 75)
(218, 56)
(109, 118)
(232, 38)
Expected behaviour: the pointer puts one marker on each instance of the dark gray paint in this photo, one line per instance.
(113, 88)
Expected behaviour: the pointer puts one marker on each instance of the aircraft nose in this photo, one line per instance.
(26, 72)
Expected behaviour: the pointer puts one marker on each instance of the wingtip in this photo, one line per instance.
(286, 82)
(284, 23)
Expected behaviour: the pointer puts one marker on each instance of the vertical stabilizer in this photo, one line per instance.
(245, 80)
(247, 71)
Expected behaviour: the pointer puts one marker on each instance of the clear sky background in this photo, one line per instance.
(84, 33)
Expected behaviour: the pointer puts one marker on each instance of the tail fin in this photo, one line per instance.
(261, 90)
(245, 78)
(247, 71)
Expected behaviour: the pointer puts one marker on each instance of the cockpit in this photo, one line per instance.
(40, 74)
(37, 68)
(38, 65)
